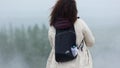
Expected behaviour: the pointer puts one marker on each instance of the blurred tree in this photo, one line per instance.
(4, 47)
(20, 39)
(32, 44)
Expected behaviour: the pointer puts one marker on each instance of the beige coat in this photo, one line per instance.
(83, 59)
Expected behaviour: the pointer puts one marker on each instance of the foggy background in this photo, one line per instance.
(24, 26)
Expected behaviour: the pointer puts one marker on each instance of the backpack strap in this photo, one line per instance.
(82, 42)
(81, 45)
(72, 28)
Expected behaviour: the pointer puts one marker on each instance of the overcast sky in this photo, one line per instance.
(37, 10)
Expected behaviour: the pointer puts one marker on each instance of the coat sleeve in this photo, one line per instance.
(51, 35)
(88, 36)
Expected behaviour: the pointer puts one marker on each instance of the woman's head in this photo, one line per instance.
(64, 9)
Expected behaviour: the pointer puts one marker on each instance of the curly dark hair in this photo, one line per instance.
(64, 9)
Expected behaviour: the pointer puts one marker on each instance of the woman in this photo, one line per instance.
(65, 10)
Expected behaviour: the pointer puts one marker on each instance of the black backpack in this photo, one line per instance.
(65, 42)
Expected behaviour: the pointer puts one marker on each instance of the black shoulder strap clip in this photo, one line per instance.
(81, 45)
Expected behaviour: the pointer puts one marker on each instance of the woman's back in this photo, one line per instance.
(83, 59)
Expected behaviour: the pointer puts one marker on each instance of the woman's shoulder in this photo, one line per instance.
(51, 29)
(80, 23)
